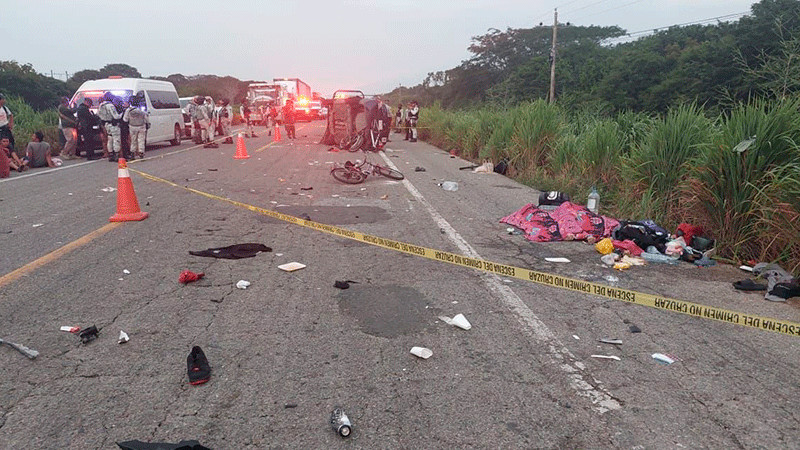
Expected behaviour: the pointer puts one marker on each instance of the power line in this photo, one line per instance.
(610, 9)
(696, 22)
(587, 6)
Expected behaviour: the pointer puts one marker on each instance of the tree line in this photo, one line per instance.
(42, 92)
(715, 65)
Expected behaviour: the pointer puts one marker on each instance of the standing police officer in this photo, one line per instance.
(110, 119)
(413, 115)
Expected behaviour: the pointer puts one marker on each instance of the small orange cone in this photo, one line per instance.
(241, 150)
(127, 205)
(276, 137)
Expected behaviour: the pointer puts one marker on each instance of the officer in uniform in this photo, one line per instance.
(204, 120)
(413, 115)
(225, 118)
(110, 119)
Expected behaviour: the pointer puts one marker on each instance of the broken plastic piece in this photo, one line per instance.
(458, 320)
(557, 260)
(662, 358)
(421, 352)
(746, 268)
(70, 329)
(30, 353)
(292, 266)
(611, 341)
(126, 271)
(242, 284)
(123, 337)
(616, 358)
(449, 186)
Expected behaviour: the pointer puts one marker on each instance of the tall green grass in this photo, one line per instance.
(27, 121)
(679, 167)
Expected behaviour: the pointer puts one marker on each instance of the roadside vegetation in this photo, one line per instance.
(736, 173)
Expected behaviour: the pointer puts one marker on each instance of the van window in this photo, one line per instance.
(95, 97)
(164, 99)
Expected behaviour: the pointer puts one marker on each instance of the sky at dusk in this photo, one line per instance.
(374, 46)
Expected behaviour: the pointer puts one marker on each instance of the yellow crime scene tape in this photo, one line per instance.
(571, 284)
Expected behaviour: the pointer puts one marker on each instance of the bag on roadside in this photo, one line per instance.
(501, 167)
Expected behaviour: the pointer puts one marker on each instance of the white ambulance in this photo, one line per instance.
(166, 117)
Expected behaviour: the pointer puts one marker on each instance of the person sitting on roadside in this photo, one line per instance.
(8, 159)
(37, 154)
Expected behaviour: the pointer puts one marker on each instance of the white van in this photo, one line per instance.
(166, 117)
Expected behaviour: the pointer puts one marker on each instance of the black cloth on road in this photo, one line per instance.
(236, 251)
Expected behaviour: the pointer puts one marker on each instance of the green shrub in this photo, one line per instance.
(27, 121)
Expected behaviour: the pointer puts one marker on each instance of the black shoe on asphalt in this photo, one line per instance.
(413, 140)
(197, 366)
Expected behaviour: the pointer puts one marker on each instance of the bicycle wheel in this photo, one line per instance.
(357, 143)
(389, 172)
(349, 176)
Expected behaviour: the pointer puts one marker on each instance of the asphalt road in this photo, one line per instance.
(291, 347)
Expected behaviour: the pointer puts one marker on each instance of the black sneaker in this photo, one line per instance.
(197, 366)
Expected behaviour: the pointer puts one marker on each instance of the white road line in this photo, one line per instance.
(559, 354)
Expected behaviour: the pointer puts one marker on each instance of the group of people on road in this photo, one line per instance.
(406, 119)
(123, 127)
(37, 154)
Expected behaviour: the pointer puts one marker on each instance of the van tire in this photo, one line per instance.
(177, 133)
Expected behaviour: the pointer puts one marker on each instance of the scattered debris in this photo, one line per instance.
(341, 423)
(290, 405)
(576, 337)
(108, 189)
(37, 225)
(307, 188)
(187, 276)
(609, 259)
(470, 167)
(746, 268)
(291, 267)
(197, 366)
(212, 170)
(458, 320)
(662, 358)
(611, 341)
(615, 358)
(70, 329)
(242, 284)
(384, 197)
(126, 271)
(421, 352)
(634, 329)
(419, 169)
(449, 186)
(89, 334)
(236, 251)
(31, 354)
(557, 260)
(139, 445)
(123, 337)
(749, 285)
(343, 284)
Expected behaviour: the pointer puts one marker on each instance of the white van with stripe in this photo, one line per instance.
(166, 117)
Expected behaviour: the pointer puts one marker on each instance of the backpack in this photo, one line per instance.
(501, 167)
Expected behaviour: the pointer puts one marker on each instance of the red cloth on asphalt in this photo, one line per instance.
(568, 219)
(187, 276)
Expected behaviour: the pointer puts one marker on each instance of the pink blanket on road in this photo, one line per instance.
(568, 219)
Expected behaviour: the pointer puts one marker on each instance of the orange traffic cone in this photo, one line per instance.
(241, 150)
(127, 205)
(276, 137)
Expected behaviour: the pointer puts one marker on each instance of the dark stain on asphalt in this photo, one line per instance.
(386, 311)
(333, 215)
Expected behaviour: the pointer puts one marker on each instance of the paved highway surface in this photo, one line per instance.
(291, 347)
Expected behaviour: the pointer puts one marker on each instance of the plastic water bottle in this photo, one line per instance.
(593, 203)
(450, 186)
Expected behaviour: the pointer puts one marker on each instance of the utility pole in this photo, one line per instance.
(553, 58)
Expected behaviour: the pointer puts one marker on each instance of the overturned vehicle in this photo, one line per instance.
(356, 121)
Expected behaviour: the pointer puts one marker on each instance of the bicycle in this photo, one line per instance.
(355, 173)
